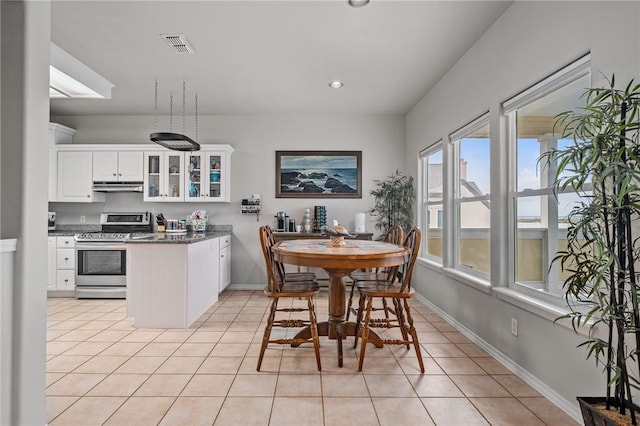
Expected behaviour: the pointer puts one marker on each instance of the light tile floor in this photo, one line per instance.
(102, 370)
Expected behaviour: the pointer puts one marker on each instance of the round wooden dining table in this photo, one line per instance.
(339, 262)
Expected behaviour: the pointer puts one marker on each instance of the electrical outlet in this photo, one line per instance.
(514, 326)
(83, 219)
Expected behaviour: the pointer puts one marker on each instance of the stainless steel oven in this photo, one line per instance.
(101, 257)
(101, 269)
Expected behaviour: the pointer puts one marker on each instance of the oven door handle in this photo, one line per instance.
(100, 246)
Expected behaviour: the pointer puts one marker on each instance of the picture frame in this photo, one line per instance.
(318, 174)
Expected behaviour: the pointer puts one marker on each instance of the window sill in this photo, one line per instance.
(470, 280)
(542, 309)
(431, 264)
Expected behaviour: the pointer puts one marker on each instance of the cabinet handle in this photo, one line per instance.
(66, 242)
(114, 174)
(66, 280)
(88, 196)
(66, 259)
(222, 255)
(119, 174)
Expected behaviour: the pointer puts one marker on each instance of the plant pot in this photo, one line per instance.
(594, 417)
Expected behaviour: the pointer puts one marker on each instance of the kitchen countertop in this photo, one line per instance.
(168, 238)
(213, 231)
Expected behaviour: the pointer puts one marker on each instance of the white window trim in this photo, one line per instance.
(453, 267)
(568, 74)
(422, 155)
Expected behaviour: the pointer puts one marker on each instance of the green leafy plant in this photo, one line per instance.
(393, 202)
(602, 165)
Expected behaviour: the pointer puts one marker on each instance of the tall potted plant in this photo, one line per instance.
(393, 200)
(602, 164)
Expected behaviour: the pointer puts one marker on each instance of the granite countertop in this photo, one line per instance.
(213, 231)
(169, 238)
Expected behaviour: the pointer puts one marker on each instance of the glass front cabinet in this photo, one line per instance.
(198, 176)
(207, 176)
(163, 176)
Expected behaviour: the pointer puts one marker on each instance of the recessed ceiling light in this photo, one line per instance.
(336, 84)
(358, 3)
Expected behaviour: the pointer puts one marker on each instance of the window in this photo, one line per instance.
(472, 210)
(432, 202)
(538, 217)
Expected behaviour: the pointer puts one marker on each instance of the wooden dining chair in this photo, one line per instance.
(277, 289)
(395, 235)
(287, 276)
(397, 290)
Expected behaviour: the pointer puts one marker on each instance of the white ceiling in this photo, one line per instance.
(267, 57)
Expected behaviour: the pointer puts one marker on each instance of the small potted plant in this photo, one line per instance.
(602, 165)
(393, 199)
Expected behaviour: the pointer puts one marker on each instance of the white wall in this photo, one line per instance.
(255, 140)
(24, 61)
(530, 41)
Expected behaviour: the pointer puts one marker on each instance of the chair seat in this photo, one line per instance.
(383, 289)
(299, 276)
(368, 276)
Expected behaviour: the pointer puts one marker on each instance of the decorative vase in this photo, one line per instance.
(199, 225)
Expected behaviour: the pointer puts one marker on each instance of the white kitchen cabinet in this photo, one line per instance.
(62, 266)
(224, 267)
(163, 176)
(207, 176)
(75, 177)
(51, 263)
(58, 135)
(65, 280)
(171, 285)
(118, 166)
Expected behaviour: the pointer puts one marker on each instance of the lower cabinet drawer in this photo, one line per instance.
(66, 259)
(225, 241)
(65, 280)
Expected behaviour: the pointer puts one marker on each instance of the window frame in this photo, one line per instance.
(552, 292)
(457, 200)
(424, 203)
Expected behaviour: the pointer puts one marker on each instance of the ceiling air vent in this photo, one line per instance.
(178, 43)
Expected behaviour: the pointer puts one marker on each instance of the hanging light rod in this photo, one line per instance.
(170, 140)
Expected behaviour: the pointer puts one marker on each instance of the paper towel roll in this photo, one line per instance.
(360, 220)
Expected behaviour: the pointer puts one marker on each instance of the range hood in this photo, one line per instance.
(118, 186)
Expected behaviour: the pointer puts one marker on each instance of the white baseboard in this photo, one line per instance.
(245, 287)
(571, 408)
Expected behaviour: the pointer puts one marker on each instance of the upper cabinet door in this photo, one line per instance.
(105, 166)
(153, 186)
(207, 176)
(163, 176)
(74, 177)
(217, 176)
(117, 166)
(195, 172)
(174, 176)
(130, 166)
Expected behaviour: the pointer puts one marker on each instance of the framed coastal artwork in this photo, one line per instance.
(318, 174)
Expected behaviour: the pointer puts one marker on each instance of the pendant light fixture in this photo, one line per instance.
(358, 3)
(174, 141)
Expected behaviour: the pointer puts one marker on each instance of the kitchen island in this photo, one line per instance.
(172, 279)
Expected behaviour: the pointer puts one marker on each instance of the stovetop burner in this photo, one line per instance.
(102, 236)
